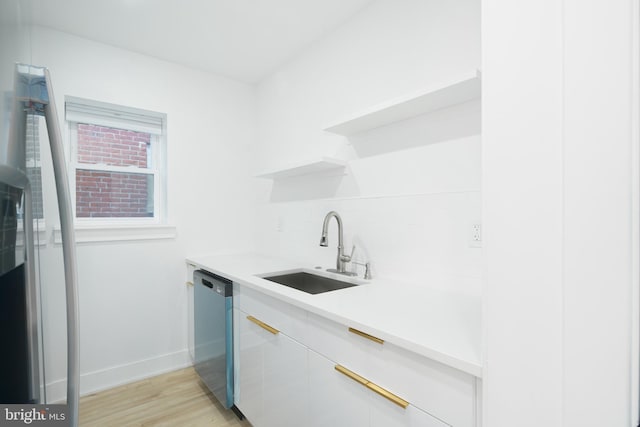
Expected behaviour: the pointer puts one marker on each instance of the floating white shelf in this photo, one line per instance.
(464, 88)
(321, 164)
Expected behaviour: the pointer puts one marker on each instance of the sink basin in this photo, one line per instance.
(309, 283)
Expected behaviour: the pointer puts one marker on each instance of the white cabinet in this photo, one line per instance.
(386, 414)
(287, 376)
(285, 382)
(334, 400)
(250, 343)
(272, 377)
(445, 392)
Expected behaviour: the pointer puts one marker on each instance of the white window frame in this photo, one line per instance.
(119, 117)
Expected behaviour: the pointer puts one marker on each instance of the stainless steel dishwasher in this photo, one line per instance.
(213, 330)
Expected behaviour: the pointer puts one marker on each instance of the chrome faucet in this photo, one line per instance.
(342, 259)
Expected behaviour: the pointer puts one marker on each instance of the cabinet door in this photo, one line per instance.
(250, 342)
(387, 414)
(334, 399)
(272, 376)
(285, 388)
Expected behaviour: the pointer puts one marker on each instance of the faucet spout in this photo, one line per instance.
(342, 259)
(324, 241)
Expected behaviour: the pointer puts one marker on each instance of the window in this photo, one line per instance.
(117, 162)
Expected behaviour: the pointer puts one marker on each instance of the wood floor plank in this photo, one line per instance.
(174, 399)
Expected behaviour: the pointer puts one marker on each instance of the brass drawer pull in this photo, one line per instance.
(351, 374)
(188, 283)
(373, 387)
(366, 335)
(388, 395)
(263, 325)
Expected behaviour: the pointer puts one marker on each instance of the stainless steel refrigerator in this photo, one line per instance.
(22, 372)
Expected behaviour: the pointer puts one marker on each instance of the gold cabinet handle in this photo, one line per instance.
(188, 283)
(263, 325)
(373, 387)
(366, 335)
(357, 378)
(388, 395)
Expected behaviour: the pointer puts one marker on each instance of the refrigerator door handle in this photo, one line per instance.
(68, 251)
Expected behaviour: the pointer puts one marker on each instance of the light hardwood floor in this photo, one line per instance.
(175, 399)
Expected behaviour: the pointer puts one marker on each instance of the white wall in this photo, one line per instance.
(133, 319)
(411, 190)
(559, 159)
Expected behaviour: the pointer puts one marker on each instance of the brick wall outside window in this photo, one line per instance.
(107, 193)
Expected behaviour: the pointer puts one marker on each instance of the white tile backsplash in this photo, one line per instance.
(421, 239)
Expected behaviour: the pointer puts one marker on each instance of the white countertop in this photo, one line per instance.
(442, 326)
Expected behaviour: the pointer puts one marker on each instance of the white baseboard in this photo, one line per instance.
(103, 379)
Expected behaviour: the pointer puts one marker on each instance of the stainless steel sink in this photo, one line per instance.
(309, 283)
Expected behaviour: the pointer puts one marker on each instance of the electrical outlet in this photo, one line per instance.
(280, 224)
(475, 237)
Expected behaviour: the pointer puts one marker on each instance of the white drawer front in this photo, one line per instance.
(335, 400)
(446, 393)
(335, 342)
(386, 414)
(286, 318)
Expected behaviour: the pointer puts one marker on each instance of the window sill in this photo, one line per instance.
(118, 233)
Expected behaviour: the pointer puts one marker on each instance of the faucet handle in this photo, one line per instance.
(347, 258)
(367, 269)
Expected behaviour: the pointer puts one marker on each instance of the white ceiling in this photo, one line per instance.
(241, 39)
